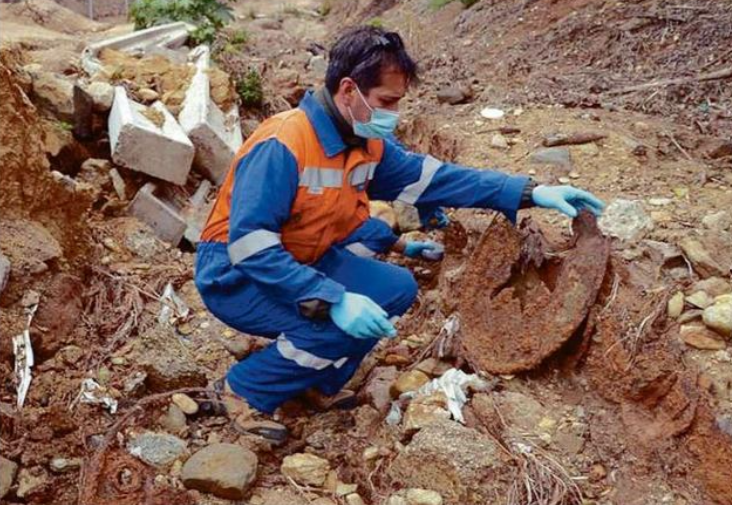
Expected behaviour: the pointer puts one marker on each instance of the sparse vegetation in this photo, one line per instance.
(376, 22)
(325, 7)
(249, 87)
(209, 16)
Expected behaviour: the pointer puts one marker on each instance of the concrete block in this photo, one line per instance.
(196, 213)
(161, 216)
(215, 133)
(171, 36)
(137, 143)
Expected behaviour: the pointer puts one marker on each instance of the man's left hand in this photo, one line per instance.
(567, 199)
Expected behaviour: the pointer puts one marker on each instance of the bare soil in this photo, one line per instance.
(593, 397)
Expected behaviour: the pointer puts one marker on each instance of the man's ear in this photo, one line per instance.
(348, 89)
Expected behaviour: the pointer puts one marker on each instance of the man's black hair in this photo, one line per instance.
(362, 53)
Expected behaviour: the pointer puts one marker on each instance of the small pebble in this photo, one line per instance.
(184, 402)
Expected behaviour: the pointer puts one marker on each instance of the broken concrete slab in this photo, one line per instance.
(215, 133)
(196, 213)
(161, 216)
(162, 150)
(171, 36)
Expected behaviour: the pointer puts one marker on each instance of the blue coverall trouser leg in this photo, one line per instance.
(306, 353)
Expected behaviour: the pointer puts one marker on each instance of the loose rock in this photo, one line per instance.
(714, 286)
(63, 465)
(8, 470)
(187, 404)
(551, 156)
(30, 481)
(168, 371)
(54, 93)
(224, 470)
(408, 381)
(377, 386)
(239, 346)
(174, 420)
(690, 315)
(306, 469)
(450, 458)
(354, 499)
(452, 95)
(718, 317)
(417, 496)
(675, 305)
(433, 367)
(700, 337)
(625, 219)
(699, 299)
(157, 449)
(718, 221)
(499, 141)
(425, 412)
(318, 64)
(700, 258)
(102, 95)
(147, 94)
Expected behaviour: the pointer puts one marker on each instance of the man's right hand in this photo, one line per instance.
(361, 317)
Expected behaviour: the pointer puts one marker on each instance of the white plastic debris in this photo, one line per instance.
(491, 113)
(92, 392)
(24, 356)
(453, 384)
(447, 333)
(174, 308)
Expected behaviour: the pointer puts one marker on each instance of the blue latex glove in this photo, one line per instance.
(428, 250)
(567, 199)
(361, 317)
(437, 219)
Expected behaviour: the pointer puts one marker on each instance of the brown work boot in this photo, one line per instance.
(345, 399)
(246, 419)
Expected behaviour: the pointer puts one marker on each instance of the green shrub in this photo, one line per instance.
(469, 3)
(250, 89)
(209, 16)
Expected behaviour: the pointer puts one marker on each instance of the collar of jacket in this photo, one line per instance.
(333, 131)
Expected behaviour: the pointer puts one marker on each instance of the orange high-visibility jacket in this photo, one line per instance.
(295, 189)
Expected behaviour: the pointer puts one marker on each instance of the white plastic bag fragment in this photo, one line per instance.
(174, 309)
(92, 392)
(24, 359)
(454, 384)
(394, 416)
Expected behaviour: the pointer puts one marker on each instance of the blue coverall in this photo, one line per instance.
(260, 295)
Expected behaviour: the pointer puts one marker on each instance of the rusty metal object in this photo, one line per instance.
(520, 304)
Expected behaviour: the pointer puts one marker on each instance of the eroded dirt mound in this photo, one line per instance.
(29, 191)
(664, 407)
(513, 287)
